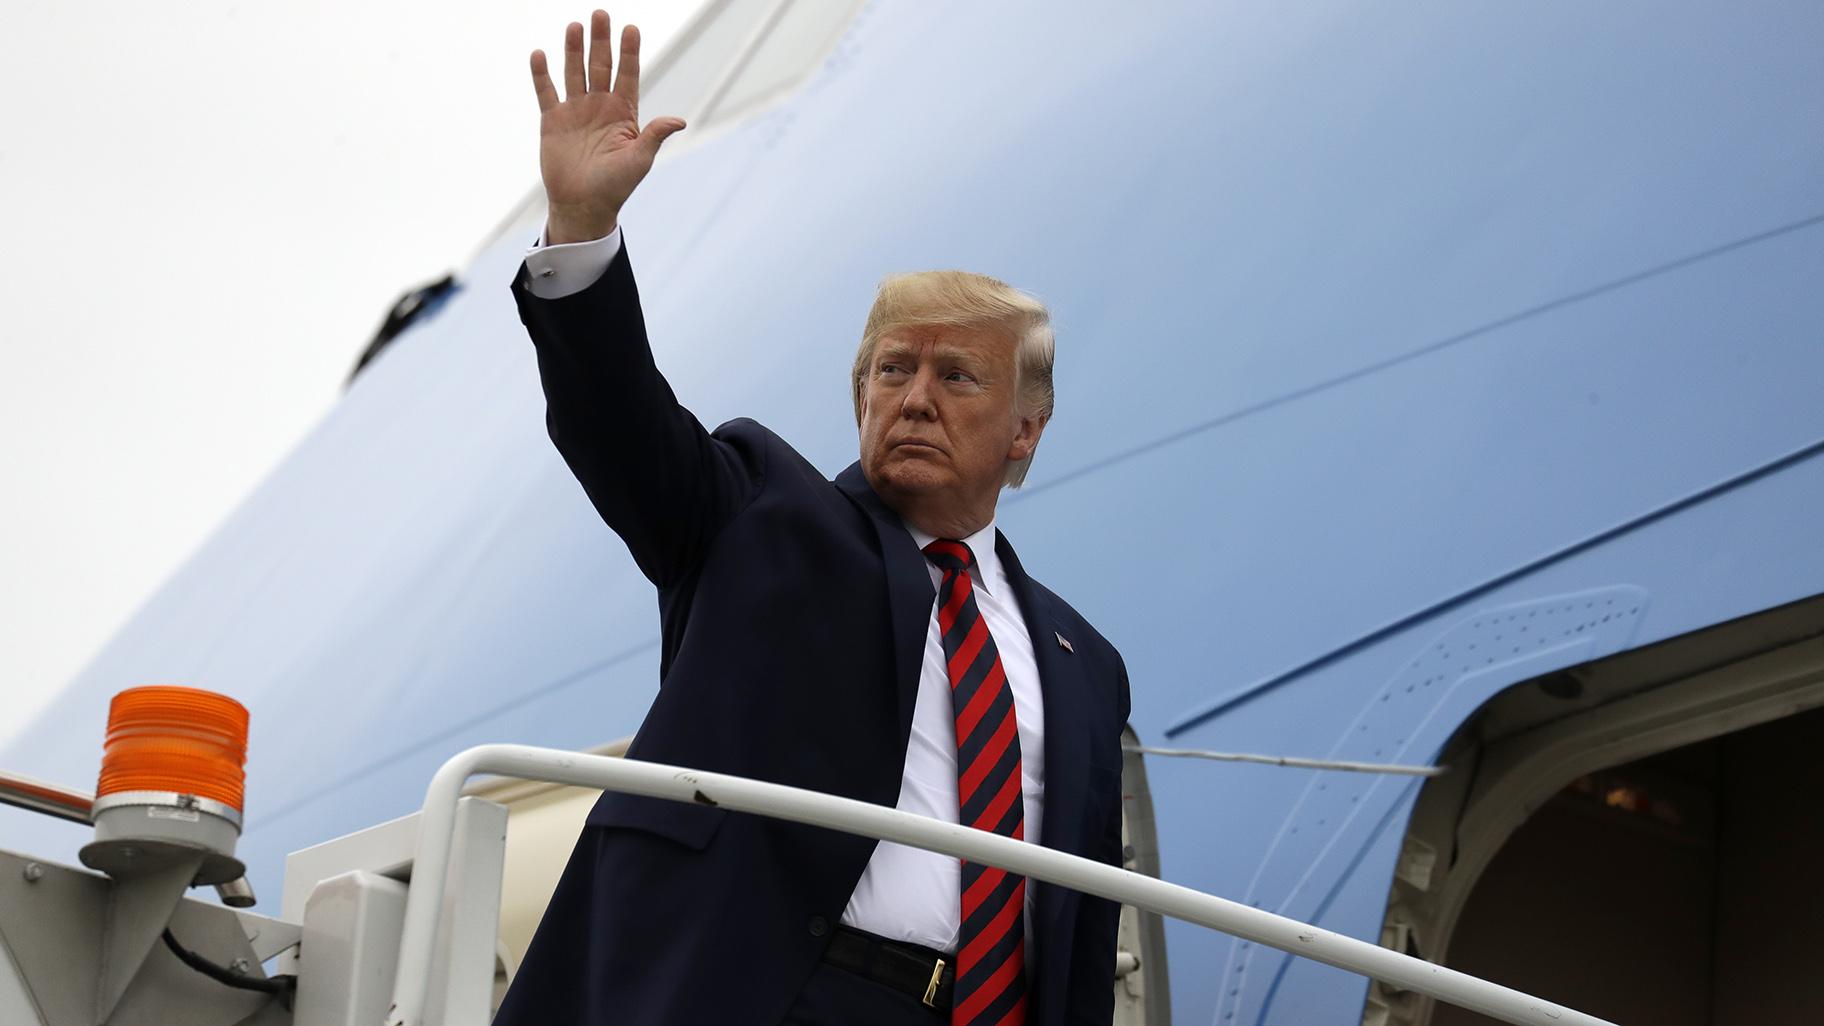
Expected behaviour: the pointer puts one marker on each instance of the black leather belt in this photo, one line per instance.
(925, 974)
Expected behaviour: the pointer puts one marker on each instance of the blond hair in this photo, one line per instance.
(962, 299)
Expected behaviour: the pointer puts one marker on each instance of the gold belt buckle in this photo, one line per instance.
(937, 973)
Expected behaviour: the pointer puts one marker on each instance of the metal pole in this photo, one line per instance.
(50, 799)
(866, 820)
(1291, 761)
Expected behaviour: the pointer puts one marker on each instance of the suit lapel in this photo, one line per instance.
(1062, 681)
(909, 591)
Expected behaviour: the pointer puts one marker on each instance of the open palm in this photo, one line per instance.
(592, 151)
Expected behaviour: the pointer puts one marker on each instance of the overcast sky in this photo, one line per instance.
(209, 207)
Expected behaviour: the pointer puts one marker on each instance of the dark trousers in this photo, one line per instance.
(837, 997)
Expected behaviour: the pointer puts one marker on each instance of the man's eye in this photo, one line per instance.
(889, 368)
(960, 376)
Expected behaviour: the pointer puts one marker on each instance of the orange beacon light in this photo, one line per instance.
(172, 785)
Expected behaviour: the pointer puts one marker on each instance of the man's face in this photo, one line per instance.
(938, 423)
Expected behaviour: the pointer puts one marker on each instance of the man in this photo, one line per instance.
(872, 637)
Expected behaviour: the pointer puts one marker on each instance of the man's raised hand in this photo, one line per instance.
(592, 151)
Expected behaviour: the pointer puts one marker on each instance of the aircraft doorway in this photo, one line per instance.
(1637, 838)
(1680, 889)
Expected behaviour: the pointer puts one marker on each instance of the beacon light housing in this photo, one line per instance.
(171, 787)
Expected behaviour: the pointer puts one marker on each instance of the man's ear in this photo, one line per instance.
(1027, 439)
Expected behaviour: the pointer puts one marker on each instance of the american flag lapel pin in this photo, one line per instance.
(1063, 642)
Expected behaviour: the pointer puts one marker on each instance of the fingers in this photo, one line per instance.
(627, 81)
(541, 82)
(599, 51)
(580, 78)
(574, 82)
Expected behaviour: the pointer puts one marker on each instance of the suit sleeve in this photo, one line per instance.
(662, 482)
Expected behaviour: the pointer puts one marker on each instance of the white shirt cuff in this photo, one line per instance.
(570, 267)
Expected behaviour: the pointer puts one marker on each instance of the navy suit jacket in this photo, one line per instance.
(793, 612)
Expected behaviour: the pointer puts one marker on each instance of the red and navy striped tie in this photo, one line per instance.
(990, 985)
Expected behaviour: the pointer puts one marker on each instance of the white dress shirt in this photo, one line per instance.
(909, 894)
(904, 894)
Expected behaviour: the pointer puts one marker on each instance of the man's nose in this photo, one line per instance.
(919, 401)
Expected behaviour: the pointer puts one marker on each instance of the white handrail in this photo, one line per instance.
(654, 780)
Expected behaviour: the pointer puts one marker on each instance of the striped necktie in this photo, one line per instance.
(990, 987)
